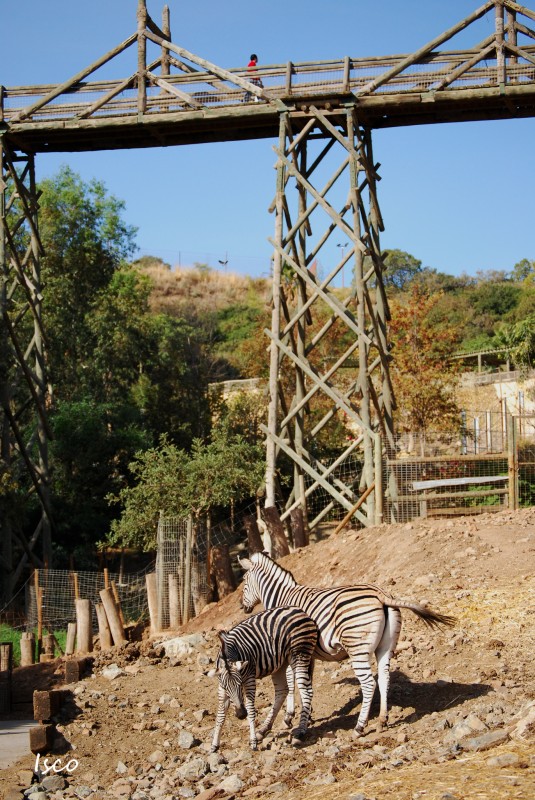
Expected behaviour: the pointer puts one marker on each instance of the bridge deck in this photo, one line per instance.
(201, 107)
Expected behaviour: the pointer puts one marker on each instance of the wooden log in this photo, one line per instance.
(46, 704)
(42, 738)
(117, 601)
(254, 539)
(279, 542)
(152, 597)
(49, 644)
(174, 602)
(299, 531)
(84, 626)
(6, 668)
(104, 631)
(74, 669)
(114, 620)
(355, 508)
(27, 649)
(222, 570)
(71, 638)
(6, 657)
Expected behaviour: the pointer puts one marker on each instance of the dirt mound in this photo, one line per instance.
(462, 701)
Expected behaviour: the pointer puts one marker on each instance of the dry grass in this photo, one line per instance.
(192, 291)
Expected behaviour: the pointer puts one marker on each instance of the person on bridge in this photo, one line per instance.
(252, 75)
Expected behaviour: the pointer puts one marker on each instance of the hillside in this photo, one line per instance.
(194, 291)
(462, 701)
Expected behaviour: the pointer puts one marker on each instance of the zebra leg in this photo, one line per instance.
(281, 692)
(384, 652)
(360, 661)
(222, 706)
(290, 700)
(249, 691)
(303, 675)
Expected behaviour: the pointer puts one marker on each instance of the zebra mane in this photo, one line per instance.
(267, 563)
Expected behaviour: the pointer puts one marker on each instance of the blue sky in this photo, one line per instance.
(458, 197)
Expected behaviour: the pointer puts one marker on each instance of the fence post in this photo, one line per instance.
(512, 462)
(378, 478)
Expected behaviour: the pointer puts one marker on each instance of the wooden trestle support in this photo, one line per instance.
(312, 395)
(24, 392)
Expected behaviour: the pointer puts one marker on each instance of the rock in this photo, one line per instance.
(193, 770)
(486, 741)
(186, 792)
(210, 794)
(186, 740)
(503, 760)
(200, 714)
(156, 757)
(54, 783)
(181, 646)
(121, 768)
(112, 672)
(232, 783)
(475, 724)
(276, 788)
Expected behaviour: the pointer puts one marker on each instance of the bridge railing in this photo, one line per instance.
(286, 81)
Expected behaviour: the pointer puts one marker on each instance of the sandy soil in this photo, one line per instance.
(463, 700)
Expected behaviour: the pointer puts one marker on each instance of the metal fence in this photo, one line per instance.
(483, 468)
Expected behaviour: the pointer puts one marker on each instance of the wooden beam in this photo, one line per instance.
(63, 87)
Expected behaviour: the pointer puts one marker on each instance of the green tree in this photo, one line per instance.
(85, 241)
(400, 269)
(424, 379)
(173, 482)
(519, 340)
(523, 269)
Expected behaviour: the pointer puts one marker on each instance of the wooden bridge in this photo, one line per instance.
(311, 110)
(181, 98)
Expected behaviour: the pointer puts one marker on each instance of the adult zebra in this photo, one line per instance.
(279, 642)
(354, 622)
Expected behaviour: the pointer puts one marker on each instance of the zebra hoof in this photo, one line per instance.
(297, 738)
(214, 748)
(358, 733)
(259, 736)
(288, 719)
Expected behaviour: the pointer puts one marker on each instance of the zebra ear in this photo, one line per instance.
(240, 665)
(222, 636)
(245, 563)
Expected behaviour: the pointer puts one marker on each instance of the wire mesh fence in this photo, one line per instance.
(59, 588)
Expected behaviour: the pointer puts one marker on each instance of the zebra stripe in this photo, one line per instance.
(279, 642)
(354, 622)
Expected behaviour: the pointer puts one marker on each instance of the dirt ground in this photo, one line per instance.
(462, 700)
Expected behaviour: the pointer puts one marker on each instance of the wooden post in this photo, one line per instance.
(39, 606)
(84, 626)
(104, 632)
(71, 638)
(299, 532)
(222, 570)
(187, 571)
(152, 598)
(378, 477)
(117, 601)
(6, 668)
(254, 539)
(279, 542)
(356, 507)
(75, 585)
(174, 602)
(106, 578)
(27, 649)
(141, 56)
(49, 643)
(112, 614)
(512, 462)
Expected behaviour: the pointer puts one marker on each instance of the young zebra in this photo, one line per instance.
(354, 622)
(265, 644)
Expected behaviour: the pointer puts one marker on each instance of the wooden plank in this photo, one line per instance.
(418, 485)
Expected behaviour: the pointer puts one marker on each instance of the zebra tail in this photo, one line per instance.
(431, 618)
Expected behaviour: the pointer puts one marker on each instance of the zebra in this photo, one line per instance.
(272, 643)
(354, 622)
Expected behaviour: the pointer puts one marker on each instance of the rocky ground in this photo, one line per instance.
(463, 700)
